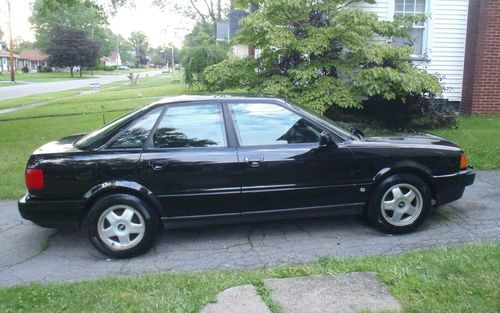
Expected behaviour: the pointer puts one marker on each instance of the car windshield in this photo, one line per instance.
(89, 140)
(342, 130)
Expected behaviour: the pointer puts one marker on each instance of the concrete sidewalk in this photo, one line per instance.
(345, 293)
(27, 248)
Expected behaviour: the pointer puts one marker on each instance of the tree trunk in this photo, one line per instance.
(80, 71)
(71, 70)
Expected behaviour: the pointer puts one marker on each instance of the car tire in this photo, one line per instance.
(122, 225)
(399, 204)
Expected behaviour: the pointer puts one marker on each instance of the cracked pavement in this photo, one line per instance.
(34, 254)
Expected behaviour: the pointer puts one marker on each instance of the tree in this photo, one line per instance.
(103, 8)
(139, 41)
(201, 35)
(21, 44)
(196, 60)
(71, 47)
(163, 55)
(3, 44)
(321, 53)
(75, 13)
(208, 12)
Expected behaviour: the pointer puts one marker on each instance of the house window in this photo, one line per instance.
(417, 32)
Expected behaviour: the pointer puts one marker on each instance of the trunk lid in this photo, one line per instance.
(63, 145)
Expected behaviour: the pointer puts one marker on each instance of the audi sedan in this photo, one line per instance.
(191, 161)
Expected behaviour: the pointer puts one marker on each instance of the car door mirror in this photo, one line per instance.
(325, 140)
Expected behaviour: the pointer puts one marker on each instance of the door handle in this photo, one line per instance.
(158, 165)
(254, 162)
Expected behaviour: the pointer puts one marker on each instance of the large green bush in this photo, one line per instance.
(324, 53)
(196, 59)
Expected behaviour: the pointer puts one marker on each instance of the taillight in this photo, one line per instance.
(464, 162)
(34, 178)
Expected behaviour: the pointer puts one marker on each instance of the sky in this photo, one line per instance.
(161, 26)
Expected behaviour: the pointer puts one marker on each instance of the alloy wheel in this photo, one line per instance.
(121, 227)
(401, 205)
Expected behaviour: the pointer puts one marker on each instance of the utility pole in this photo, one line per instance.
(173, 63)
(11, 52)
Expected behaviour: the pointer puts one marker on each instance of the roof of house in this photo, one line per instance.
(33, 55)
(4, 53)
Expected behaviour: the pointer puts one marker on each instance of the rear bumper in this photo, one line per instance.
(53, 214)
(448, 188)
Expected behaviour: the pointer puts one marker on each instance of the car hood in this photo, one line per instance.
(62, 145)
(417, 140)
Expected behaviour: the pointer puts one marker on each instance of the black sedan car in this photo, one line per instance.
(190, 161)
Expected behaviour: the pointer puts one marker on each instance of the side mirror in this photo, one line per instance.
(325, 140)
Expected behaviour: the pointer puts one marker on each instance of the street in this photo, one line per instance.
(30, 89)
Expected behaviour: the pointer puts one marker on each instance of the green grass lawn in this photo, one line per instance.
(479, 136)
(461, 279)
(40, 77)
(57, 76)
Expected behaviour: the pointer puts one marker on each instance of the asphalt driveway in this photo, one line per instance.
(33, 254)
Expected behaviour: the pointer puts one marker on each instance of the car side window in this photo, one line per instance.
(199, 125)
(271, 124)
(136, 133)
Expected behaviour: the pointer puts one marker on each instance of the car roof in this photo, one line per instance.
(222, 98)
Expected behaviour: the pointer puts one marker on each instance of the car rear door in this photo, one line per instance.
(188, 162)
(283, 167)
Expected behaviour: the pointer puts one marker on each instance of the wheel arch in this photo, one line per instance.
(406, 167)
(117, 187)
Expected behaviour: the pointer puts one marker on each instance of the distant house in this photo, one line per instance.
(32, 59)
(5, 61)
(113, 60)
(438, 44)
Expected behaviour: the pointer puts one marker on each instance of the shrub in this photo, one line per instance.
(196, 60)
(98, 67)
(25, 69)
(416, 113)
(230, 74)
(109, 68)
(39, 68)
(47, 69)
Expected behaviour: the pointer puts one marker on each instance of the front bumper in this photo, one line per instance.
(64, 214)
(448, 188)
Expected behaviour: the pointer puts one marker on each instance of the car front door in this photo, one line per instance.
(283, 166)
(188, 163)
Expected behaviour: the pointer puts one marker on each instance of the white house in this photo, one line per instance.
(113, 60)
(438, 43)
(5, 61)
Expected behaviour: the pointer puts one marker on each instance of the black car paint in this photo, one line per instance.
(197, 186)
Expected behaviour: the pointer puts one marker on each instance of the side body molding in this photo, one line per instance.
(125, 186)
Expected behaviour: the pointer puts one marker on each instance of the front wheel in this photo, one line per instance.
(399, 204)
(122, 225)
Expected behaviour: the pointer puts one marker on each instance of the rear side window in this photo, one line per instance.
(199, 125)
(136, 133)
(271, 124)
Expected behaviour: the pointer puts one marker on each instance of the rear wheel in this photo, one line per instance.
(122, 225)
(399, 203)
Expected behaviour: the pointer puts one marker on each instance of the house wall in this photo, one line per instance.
(444, 39)
(481, 93)
(5, 63)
